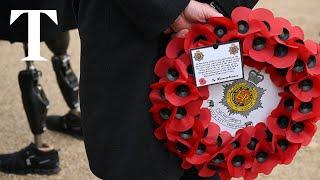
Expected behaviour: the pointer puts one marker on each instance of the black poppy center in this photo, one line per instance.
(238, 161)
(180, 53)
(297, 127)
(182, 91)
(201, 149)
(305, 107)
(219, 141)
(269, 135)
(283, 122)
(283, 144)
(298, 66)
(161, 93)
(165, 113)
(267, 25)
(252, 144)
(181, 148)
(186, 134)
(220, 31)
(289, 103)
(259, 43)
(281, 50)
(181, 113)
(306, 85)
(235, 144)
(205, 134)
(285, 34)
(312, 62)
(282, 71)
(243, 27)
(219, 158)
(261, 157)
(172, 74)
(200, 37)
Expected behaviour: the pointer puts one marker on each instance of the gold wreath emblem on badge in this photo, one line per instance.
(198, 55)
(234, 49)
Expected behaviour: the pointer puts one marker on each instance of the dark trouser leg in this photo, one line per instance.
(34, 99)
(67, 80)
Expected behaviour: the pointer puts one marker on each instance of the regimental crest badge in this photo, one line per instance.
(198, 55)
(234, 49)
(244, 96)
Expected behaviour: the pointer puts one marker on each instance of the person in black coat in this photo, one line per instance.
(39, 157)
(120, 43)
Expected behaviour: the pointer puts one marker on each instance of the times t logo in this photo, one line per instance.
(33, 30)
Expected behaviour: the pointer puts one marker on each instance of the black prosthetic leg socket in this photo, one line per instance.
(34, 99)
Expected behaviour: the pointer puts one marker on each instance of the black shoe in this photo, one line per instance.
(30, 160)
(68, 124)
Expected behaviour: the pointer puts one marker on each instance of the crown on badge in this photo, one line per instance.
(255, 77)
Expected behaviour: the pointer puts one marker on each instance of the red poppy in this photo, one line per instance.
(209, 170)
(283, 56)
(160, 132)
(289, 33)
(189, 137)
(250, 175)
(211, 134)
(259, 47)
(179, 94)
(279, 121)
(184, 117)
(181, 150)
(259, 133)
(240, 140)
(175, 48)
(238, 162)
(204, 117)
(287, 102)
(268, 19)
(286, 150)
(313, 64)
(301, 132)
(217, 164)
(162, 112)
(157, 94)
(297, 71)
(307, 88)
(185, 164)
(171, 69)
(306, 110)
(223, 28)
(201, 153)
(252, 63)
(202, 81)
(199, 35)
(265, 159)
(240, 16)
(277, 75)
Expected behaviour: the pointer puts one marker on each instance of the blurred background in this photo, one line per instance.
(15, 132)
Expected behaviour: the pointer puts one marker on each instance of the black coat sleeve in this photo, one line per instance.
(152, 17)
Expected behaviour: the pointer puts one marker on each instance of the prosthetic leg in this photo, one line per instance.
(38, 157)
(34, 100)
(69, 86)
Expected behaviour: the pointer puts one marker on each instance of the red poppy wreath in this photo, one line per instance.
(248, 126)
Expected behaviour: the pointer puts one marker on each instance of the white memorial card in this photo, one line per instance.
(217, 64)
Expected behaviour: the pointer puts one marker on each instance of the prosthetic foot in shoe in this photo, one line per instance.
(31, 160)
(69, 124)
